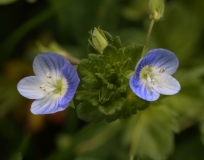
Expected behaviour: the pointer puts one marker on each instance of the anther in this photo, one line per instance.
(48, 75)
(149, 78)
(153, 82)
(42, 86)
(162, 70)
(146, 72)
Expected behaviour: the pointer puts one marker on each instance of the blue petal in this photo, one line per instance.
(161, 58)
(138, 68)
(70, 73)
(48, 62)
(63, 107)
(47, 105)
(142, 90)
(29, 87)
(166, 84)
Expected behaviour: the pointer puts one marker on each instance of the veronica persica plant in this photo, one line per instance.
(54, 85)
(153, 75)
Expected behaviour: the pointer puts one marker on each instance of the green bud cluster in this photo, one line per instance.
(104, 88)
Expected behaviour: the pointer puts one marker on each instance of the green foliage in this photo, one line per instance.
(135, 10)
(5, 2)
(150, 133)
(104, 76)
(182, 47)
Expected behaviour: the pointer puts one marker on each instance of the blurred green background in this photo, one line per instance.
(171, 128)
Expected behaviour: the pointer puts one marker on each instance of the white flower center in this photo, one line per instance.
(147, 74)
(55, 85)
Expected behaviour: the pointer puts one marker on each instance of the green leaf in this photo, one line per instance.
(116, 105)
(90, 96)
(71, 104)
(103, 79)
(84, 68)
(105, 95)
(117, 43)
(91, 50)
(131, 104)
(133, 54)
(91, 82)
(111, 53)
(129, 73)
(89, 113)
(113, 117)
(150, 132)
(108, 36)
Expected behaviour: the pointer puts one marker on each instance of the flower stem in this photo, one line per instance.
(149, 33)
(131, 157)
(147, 38)
(137, 134)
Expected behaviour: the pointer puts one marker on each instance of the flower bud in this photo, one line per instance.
(98, 40)
(156, 9)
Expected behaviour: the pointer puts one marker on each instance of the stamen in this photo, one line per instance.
(153, 81)
(162, 70)
(48, 75)
(42, 86)
(149, 78)
(146, 72)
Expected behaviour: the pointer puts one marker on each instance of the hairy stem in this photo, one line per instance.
(149, 33)
(147, 38)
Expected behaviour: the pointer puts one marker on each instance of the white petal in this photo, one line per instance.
(166, 84)
(29, 87)
(46, 105)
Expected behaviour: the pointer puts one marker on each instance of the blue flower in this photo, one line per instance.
(54, 85)
(153, 75)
